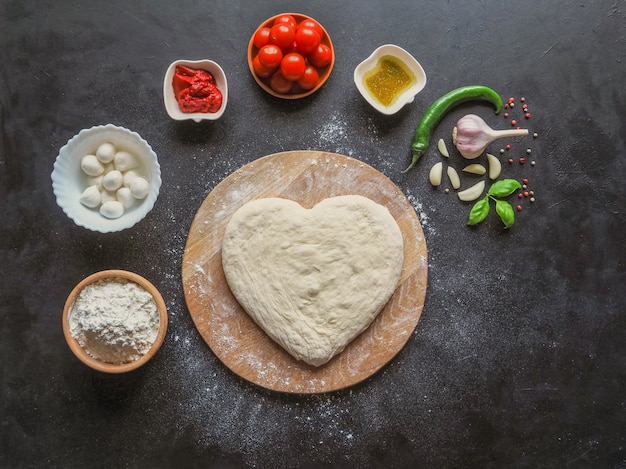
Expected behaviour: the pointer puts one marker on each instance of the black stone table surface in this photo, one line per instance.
(519, 357)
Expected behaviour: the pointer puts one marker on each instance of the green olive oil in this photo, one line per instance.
(388, 79)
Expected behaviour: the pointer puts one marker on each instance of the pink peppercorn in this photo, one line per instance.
(508, 147)
(527, 115)
(522, 160)
(519, 208)
(522, 99)
(510, 160)
(513, 122)
(525, 181)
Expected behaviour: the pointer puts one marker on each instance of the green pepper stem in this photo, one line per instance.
(416, 156)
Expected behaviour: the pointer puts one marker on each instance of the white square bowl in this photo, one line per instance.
(408, 95)
(169, 98)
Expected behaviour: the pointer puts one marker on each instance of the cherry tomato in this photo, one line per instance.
(280, 84)
(260, 69)
(270, 55)
(309, 78)
(307, 39)
(321, 56)
(311, 23)
(287, 19)
(261, 37)
(282, 35)
(292, 66)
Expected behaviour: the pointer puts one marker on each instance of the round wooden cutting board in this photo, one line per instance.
(306, 177)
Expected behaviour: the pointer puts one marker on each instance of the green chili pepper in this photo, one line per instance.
(439, 108)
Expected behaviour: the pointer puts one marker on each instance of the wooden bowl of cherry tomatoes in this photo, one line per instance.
(290, 55)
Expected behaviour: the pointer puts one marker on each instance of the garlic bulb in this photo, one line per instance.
(472, 135)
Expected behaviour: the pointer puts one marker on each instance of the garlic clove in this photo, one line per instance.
(473, 192)
(441, 146)
(475, 169)
(495, 167)
(454, 177)
(436, 174)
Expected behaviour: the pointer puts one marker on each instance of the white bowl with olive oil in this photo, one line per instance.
(389, 78)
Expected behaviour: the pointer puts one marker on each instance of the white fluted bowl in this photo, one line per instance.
(69, 181)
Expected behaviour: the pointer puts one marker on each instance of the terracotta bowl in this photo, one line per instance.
(80, 352)
(297, 92)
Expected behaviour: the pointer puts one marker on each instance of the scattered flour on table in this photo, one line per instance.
(421, 213)
(333, 136)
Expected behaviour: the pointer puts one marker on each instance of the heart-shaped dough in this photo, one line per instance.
(313, 279)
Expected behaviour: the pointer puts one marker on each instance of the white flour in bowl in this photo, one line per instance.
(115, 321)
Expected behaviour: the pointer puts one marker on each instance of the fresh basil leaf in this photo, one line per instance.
(505, 212)
(504, 187)
(479, 211)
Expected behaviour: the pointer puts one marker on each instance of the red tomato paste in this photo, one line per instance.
(195, 90)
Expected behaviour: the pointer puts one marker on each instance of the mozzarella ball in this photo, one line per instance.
(108, 168)
(125, 161)
(125, 197)
(91, 166)
(129, 176)
(91, 197)
(112, 181)
(105, 153)
(139, 187)
(112, 209)
(107, 196)
(95, 181)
